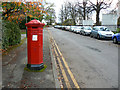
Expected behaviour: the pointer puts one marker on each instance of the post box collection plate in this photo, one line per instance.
(34, 37)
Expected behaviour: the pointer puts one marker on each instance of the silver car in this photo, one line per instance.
(67, 28)
(78, 29)
(101, 32)
(72, 28)
(86, 30)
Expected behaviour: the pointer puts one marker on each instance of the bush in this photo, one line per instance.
(10, 34)
(118, 22)
(118, 30)
(68, 22)
(22, 24)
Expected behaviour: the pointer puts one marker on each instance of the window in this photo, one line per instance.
(94, 28)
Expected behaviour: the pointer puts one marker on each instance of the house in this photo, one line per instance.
(118, 11)
(110, 20)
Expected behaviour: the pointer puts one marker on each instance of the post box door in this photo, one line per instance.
(36, 47)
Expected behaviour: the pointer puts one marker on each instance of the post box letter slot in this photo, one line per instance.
(34, 37)
(35, 27)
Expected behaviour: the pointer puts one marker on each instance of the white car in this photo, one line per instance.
(72, 28)
(67, 28)
(77, 29)
(86, 30)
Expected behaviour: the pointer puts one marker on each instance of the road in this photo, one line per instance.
(94, 63)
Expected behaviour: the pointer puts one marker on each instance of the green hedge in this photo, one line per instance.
(10, 34)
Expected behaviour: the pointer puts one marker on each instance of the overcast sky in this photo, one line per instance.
(58, 4)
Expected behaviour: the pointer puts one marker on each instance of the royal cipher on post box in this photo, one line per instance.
(35, 44)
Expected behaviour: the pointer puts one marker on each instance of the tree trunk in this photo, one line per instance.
(84, 14)
(50, 21)
(84, 10)
(97, 18)
(66, 17)
(74, 21)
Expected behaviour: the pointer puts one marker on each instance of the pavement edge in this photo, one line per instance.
(54, 66)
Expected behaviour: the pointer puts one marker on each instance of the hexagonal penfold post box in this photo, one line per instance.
(35, 44)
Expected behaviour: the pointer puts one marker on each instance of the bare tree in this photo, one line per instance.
(66, 12)
(100, 4)
(62, 14)
(50, 17)
(72, 11)
(84, 9)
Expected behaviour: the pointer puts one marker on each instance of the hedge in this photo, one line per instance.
(10, 34)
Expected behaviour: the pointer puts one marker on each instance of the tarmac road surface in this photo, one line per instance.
(94, 63)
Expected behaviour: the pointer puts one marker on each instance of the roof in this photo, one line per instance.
(35, 23)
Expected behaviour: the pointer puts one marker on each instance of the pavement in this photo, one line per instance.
(0, 54)
(0, 71)
(14, 75)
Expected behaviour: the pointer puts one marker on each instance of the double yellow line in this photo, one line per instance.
(55, 48)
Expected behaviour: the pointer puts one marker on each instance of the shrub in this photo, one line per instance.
(118, 30)
(118, 22)
(10, 34)
(68, 22)
(22, 24)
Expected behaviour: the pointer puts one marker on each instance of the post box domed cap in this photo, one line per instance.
(35, 22)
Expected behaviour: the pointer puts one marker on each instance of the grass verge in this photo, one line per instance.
(13, 47)
(23, 32)
(27, 69)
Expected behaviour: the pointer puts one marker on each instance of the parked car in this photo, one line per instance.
(116, 38)
(77, 29)
(86, 30)
(72, 28)
(56, 26)
(101, 32)
(67, 28)
(63, 27)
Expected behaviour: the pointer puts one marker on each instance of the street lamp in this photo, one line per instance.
(26, 22)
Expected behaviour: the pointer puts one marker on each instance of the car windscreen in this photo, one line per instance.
(73, 27)
(88, 28)
(80, 27)
(104, 29)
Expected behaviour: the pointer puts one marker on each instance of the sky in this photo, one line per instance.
(58, 4)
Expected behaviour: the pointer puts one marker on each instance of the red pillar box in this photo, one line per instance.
(35, 44)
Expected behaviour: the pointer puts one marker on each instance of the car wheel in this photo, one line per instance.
(91, 35)
(98, 36)
(115, 40)
(80, 33)
(84, 34)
